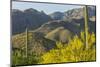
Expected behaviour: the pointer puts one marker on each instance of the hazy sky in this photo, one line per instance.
(47, 8)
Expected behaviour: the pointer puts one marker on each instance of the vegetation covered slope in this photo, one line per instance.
(74, 51)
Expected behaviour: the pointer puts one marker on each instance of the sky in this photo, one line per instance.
(47, 8)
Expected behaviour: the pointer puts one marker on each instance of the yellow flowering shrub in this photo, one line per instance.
(74, 51)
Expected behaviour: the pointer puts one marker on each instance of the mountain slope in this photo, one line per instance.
(75, 13)
(57, 15)
(29, 18)
(59, 34)
(78, 13)
(36, 43)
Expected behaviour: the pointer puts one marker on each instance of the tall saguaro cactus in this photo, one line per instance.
(26, 40)
(86, 25)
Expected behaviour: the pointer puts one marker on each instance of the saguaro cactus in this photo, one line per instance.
(86, 25)
(26, 40)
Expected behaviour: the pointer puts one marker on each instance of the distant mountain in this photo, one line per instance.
(76, 13)
(29, 18)
(57, 15)
(33, 19)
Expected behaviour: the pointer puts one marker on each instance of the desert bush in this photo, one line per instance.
(21, 59)
(74, 51)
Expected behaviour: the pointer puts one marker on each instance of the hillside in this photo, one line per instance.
(29, 18)
(59, 34)
(35, 43)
